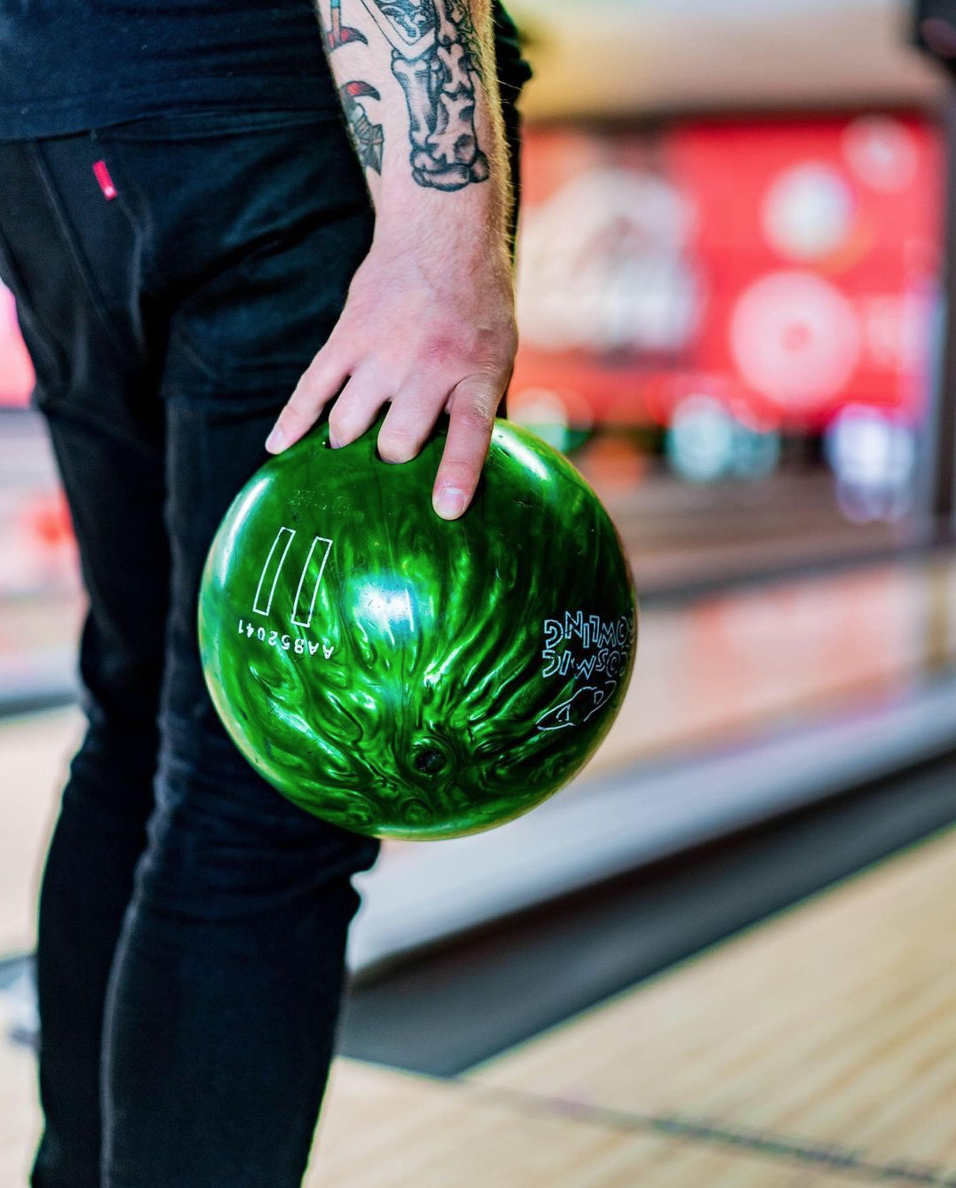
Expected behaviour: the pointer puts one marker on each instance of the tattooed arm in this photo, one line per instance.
(429, 321)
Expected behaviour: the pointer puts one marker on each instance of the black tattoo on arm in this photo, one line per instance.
(469, 37)
(367, 137)
(436, 59)
(340, 34)
(414, 18)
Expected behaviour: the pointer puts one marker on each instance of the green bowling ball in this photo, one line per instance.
(405, 676)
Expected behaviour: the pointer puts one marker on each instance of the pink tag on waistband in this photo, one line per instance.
(103, 177)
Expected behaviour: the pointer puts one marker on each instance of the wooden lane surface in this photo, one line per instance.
(814, 1052)
(19, 1113)
(832, 1027)
(382, 1129)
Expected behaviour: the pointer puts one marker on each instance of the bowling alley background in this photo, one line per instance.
(733, 279)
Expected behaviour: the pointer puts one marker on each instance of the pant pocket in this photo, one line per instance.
(69, 254)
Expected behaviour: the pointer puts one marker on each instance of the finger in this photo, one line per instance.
(411, 418)
(357, 406)
(320, 381)
(469, 435)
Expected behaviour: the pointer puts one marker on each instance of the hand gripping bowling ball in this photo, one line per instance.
(405, 676)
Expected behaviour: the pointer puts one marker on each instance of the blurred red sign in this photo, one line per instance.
(786, 267)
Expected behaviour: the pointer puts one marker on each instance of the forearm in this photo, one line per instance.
(418, 87)
(428, 323)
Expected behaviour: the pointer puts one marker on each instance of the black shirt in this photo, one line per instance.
(68, 65)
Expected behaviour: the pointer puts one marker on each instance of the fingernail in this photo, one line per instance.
(275, 442)
(450, 502)
(334, 441)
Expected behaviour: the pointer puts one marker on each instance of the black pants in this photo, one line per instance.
(192, 922)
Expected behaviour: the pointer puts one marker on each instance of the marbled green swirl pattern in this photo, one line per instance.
(451, 675)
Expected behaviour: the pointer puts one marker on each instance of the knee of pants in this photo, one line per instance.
(112, 771)
(121, 672)
(223, 844)
(112, 774)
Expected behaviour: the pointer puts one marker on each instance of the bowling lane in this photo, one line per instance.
(720, 680)
(825, 1036)
(382, 1129)
(728, 666)
(813, 1051)
(489, 989)
(720, 677)
(743, 705)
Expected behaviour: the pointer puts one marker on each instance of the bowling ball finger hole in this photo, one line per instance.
(429, 761)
